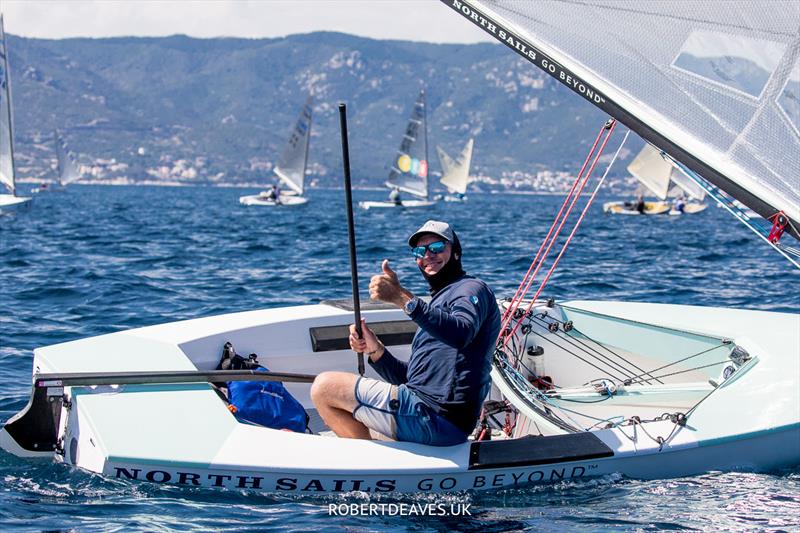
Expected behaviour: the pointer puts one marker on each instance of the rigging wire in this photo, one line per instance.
(611, 124)
(608, 128)
(676, 362)
(587, 347)
(738, 213)
(604, 370)
(597, 355)
(527, 280)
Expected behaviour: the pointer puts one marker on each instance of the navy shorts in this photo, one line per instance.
(398, 413)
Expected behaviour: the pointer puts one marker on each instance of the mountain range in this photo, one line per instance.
(219, 111)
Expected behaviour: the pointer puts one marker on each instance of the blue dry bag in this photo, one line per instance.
(267, 403)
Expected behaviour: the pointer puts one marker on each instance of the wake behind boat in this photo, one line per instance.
(409, 170)
(291, 170)
(8, 201)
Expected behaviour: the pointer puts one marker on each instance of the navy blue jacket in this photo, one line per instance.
(451, 355)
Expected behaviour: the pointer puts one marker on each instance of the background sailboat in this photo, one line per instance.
(409, 170)
(66, 169)
(8, 201)
(291, 169)
(455, 173)
(658, 176)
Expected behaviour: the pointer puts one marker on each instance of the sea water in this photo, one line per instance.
(99, 259)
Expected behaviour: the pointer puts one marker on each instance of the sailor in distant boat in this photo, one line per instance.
(639, 205)
(394, 196)
(434, 398)
(679, 204)
(274, 194)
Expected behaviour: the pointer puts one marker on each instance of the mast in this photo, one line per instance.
(308, 143)
(8, 109)
(425, 137)
(59, 166)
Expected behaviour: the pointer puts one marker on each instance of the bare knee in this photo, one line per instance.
(335, 389)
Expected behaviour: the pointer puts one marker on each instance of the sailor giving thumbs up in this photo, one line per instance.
(385, 287)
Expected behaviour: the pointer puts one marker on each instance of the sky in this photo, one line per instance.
(413, 20)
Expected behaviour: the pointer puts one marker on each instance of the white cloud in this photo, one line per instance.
(415, 20)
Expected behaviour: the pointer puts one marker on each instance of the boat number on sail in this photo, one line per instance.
(529, 52)
(295, 483)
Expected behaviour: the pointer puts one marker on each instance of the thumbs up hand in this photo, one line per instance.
(385, 287)
(388, 271)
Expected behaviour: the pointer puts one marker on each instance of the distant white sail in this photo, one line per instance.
(455, 173)
(67, 169)
(661, 177)
(688, 185)
(714, 84)
(292, 166)
(6, 122)
(409, 171)
(652, 171)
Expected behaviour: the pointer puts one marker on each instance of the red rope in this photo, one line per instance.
(517, 299)
(585, 180)
(574, 230)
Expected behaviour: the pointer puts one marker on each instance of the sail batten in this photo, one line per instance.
(715, 88)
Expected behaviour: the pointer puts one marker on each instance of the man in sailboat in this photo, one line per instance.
(639, 205)
(434, 398)
(679, 204)
(274, 194)
(394, 196)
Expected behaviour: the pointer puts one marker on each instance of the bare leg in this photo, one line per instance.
(333, 394)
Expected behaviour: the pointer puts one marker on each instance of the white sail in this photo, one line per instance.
(409, 170)
(292, 166)
(687, 185)
(67, 169)
(455, 174)
(660, 176)
(6, 123)
(715, 85)
(652, 171)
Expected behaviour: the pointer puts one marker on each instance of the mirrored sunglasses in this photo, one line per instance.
(434, 248)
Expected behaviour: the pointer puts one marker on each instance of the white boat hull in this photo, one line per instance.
(53, 187)
(263, 200)
(185, 435)
(688, 209)
(403, 204)
(9, 202)
(625, 208)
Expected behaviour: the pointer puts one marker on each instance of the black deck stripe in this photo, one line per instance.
(532, 451)
(391, 333)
